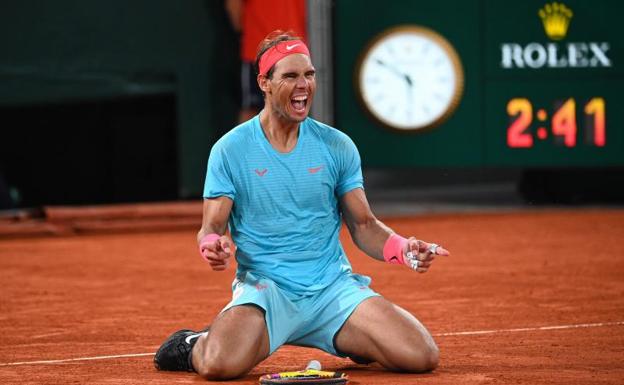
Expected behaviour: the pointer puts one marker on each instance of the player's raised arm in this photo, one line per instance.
(379, 241)
(368, 233)
(214, 246)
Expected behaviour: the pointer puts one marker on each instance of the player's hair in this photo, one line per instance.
(271, 40)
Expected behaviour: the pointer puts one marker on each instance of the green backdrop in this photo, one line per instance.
(68, 51)
(476, 134)
(72, 52)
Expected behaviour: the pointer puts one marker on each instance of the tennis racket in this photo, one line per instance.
(312, 375)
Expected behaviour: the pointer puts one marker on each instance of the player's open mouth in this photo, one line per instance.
(299, 103)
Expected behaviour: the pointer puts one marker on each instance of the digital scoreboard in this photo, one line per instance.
(553, 84)
(543, 82)
(563, 127)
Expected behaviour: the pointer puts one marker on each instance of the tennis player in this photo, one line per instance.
(284, 182)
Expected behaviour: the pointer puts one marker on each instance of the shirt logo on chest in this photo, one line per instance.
(314, 170)
(261, 172)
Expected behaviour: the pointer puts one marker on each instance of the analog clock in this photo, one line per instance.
(409, 78)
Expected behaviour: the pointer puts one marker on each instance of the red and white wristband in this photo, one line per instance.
(393, 249)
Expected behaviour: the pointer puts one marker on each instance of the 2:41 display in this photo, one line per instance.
(563, 124)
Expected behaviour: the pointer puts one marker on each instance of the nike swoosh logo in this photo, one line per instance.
(314, 170)
(193, 336)
(289, 47)
(261, 172)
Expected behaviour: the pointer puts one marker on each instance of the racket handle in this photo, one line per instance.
(313, 365)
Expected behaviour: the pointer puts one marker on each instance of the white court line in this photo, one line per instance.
(558, 327)
(76, 359)
(467, 333)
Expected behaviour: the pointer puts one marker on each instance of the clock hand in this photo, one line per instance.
(408, 80)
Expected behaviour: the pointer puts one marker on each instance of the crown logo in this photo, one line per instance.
(556, 19)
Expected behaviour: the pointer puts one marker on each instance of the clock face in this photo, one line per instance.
(409, 78)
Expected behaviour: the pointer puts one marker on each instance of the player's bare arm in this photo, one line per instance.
(214, 245)
(368, 233)
(372, 236)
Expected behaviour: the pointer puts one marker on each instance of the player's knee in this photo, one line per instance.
(214, 366)
(424, 359)
(431, 358)
(418, 359)
(218, 370)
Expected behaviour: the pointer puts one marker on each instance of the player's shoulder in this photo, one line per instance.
(237, 137)
(327, 133)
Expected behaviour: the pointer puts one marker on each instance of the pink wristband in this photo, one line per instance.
(206, 239)
(393, 249)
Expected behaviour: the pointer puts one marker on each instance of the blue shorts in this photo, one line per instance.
(312, 320)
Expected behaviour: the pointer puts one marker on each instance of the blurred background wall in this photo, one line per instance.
(113, 101)
(117, 101)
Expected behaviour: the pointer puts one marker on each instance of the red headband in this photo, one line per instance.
(280, 51)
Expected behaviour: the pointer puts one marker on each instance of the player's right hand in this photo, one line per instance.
(218, 252)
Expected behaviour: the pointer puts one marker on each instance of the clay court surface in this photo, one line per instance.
(527, 297)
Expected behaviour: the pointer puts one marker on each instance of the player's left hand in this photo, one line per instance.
(420, 254)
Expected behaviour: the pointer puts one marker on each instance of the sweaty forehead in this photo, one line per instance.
(294, 63)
